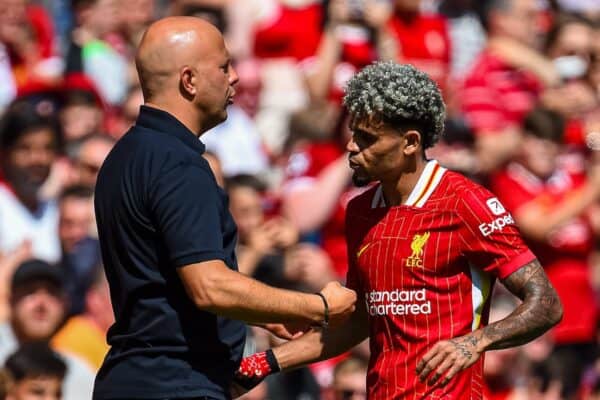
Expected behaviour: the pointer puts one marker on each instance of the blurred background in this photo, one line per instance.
(521, 79)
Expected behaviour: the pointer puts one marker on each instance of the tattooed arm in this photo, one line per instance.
(539, 311)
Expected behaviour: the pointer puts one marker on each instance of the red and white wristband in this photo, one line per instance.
(253, 369)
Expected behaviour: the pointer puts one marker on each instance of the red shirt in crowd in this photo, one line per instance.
(292, 32)
(565, 254)
(497, 96)
(425, 270)
(425, 43)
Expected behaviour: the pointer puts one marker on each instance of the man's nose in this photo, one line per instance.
(352, 147)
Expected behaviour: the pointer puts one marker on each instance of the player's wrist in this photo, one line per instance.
(253, 369)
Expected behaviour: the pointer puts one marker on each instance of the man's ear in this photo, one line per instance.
(187, 78)
(412, 142)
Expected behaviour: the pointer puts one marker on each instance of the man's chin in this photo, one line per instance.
(360, 180)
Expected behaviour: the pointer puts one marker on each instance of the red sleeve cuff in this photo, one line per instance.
(515, 263)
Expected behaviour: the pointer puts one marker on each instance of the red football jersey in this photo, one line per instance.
(425, 270)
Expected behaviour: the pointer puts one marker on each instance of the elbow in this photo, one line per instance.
(557, 312)
(204, 294)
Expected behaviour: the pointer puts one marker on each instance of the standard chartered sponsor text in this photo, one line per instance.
(397, 302)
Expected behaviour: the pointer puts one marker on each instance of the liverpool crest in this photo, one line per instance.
(417, 244)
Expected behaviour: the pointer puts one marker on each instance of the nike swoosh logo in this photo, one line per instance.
(362, 249)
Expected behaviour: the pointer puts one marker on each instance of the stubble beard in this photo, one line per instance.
(360, 180)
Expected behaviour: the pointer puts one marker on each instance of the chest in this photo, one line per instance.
(407, 247)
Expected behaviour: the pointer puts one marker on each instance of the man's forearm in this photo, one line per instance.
(236, 296)
(539, 311)
(317, 344)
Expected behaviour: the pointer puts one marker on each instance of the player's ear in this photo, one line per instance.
(412, 142)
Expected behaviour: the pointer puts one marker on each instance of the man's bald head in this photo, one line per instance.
(169, 45)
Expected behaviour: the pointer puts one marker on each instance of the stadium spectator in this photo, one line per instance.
(80, 249)
(505, 81)
(552, 209)
(90, 54)
(423, 40)
(82, 109)
(84, 336)
(317, 178)
(268, 246)
(92, 152)
(38, 307)
(29, 143)
(401, 226)
(36, 372)
(350, 380)
(354, 34)
(280, 34)
(27, 49)
(466, 32)
(156, 233)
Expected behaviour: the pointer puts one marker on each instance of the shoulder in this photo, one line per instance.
(462, 191)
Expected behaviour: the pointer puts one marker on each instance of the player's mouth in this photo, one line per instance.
(230, 98)
(353, 165)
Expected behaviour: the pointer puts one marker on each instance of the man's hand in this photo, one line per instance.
(341, 302)
(287, 331)
(449, 357)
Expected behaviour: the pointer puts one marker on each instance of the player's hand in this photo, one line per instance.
(449, 357)
(341, 301)
(287, 331)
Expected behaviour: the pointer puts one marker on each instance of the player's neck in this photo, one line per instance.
(397, 192)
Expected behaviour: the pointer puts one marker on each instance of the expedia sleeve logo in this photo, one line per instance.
(417, 244)
(495, 206)
(504, 218)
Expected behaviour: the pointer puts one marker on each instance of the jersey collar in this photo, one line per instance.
(426, 184)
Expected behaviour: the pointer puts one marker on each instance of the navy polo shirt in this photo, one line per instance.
(158, 208)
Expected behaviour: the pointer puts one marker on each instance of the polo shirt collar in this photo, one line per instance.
(159, 120)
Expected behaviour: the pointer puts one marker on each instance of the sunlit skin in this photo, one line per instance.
(378, 152)
(37, 310)
(186, 70)
(246, 208)
(539, 155)
(76, 219)
(36, 388)
(351, 386)
(90, 159)
(32, 155)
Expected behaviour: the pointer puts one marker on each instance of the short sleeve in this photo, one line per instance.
(186, 207)
(490, 237)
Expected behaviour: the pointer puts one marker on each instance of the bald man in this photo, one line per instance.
(168, 239)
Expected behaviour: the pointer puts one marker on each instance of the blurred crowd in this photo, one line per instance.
(521, 79)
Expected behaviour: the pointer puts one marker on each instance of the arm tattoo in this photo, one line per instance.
(539, 311)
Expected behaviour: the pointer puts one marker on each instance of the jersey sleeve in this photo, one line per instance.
(490, 237)
(186, 207)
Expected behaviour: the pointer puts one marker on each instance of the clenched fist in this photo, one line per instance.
(341, 302)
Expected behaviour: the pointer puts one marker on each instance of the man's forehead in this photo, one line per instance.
(363, 122)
